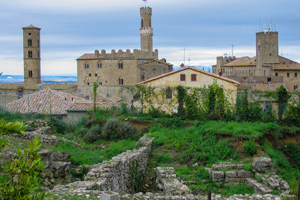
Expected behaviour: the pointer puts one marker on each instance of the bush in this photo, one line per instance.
(93, 134)
(293, 152)
(114, 130)
(250, 147)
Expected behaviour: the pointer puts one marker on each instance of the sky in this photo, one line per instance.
(196, 30)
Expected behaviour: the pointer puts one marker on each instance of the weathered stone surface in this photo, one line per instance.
(258, 186)
(46, 156)
(218, 176)
(7, 155)
(108, 195)
(61, 156)
(230, 174)
(60, 169)
(262, 164)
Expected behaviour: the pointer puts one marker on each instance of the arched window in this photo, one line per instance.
(29, 54)
(86, 65)
(142, 22)
(142, 77)
(29, 42)
(121, 81)
(30, 74)
(99, 65)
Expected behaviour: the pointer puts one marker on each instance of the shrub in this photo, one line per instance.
(293, 152)
(93, 134)
(114, 130)
(248, 167)
(250, 147)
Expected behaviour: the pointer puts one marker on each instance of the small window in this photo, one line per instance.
(142, 77)
(88, 83)
(29, 54)
(99, 65)
(168, 93)
(269, 79)
(100, 83)
(29, 42)
(295, 87)
(296, 75)
(287, 74)
(121, 81)
(86, 65)
(194, 77)
(276, 74)
(29, 33)
(120, 65)
(90, 75)
(96, 75)
(30, 74)
(182, 77)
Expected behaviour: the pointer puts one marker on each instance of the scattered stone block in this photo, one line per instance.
(262, 164)
(108, 195)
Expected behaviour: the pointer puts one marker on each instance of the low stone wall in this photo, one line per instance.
(167, 181)
(115, 175)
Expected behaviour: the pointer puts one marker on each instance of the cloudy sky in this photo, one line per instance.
(205, 29)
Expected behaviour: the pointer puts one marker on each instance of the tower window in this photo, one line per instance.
(86, 65)
(120, 65)
(142, 22)
(287, 74)
(276, 74)
(99, 65)
(142, 77)
(29, 54)
(295, 87)
(29, 33)
(194, 77)
(30, 74)
(269, 79)
(96, 75)
(90, 75)
(121, 81)
(182, 77)
(29, 42)
(296, 75)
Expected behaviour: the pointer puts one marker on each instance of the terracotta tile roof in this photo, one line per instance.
(154, 61)
(40, 102)
(31, 26)
(243, 61)
(88, 106)
(192, 68)
(286, 64)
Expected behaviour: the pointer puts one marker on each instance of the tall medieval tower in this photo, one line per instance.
(32, 60)
(266, 51)
(146, 31)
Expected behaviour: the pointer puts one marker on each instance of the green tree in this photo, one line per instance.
(181, 97)
(282, 97)
(20, 177)
(95, 86)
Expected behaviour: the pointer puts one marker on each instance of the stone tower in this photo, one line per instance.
(32, 60)
(146, 31)
(266, 50)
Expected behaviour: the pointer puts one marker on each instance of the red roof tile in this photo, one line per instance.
(31, 26)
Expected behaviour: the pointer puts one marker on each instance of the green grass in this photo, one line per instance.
(247, 129)
(94, 156)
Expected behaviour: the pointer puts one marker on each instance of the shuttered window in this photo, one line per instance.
(194, 77)
(182, 77)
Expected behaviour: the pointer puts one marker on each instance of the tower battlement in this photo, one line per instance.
(146, 11)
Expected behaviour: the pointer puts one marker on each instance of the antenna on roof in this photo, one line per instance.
(232, 49)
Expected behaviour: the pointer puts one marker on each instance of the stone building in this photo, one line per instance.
(32, 60)
(113, 70)
(267, 67)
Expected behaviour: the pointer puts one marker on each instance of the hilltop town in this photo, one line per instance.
(135, 128)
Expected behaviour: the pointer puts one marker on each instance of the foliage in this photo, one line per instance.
(293, 152)
(174, 122)
(241, 188)
(91, 156)
(135, 177)
(9, 127)
(114, 130)
(95, 86)
(248, 167)
(293, 114)
(250, 147)
(21, 177)
(93, 134)
(269, 115)
(282, 97)
(181, 93)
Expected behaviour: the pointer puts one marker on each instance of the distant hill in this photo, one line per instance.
(19, 79)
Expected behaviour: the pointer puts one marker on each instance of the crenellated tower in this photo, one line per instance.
(32, 59)
(146, 31)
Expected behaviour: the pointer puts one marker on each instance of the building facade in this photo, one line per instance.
(118, 68)
(267, 67)
(32, 59)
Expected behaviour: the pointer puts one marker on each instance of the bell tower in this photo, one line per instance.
(32, 60)
(146, 31)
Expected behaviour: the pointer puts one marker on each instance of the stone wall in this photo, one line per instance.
(114, 175)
